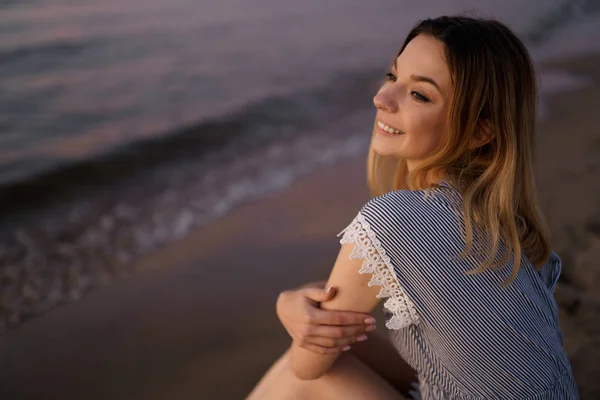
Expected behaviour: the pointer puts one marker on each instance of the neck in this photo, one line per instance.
(434, 176)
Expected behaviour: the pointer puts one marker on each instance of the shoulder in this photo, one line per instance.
(401, 240)
(409, 213)
(405, 203)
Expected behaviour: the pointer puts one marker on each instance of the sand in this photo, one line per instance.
(196, 319)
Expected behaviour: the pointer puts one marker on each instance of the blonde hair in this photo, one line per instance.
(495, 89)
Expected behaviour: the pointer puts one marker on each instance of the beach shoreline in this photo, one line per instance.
(247, 250)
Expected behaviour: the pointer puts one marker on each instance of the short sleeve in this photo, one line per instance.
(377, 263)
(406, 239)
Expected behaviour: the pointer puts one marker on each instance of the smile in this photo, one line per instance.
(388, 128)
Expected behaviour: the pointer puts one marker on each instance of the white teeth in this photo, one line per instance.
(387, 128)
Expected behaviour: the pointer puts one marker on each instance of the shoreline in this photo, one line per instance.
(77, 246)
(191, 333)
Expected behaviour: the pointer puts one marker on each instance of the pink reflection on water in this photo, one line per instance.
(149, 68)
(84, 144)
(95, 141)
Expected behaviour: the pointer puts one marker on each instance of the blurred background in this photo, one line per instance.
(191, 159)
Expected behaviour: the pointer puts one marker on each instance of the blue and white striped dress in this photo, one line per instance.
(467, 336)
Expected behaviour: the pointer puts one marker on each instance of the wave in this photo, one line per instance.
(61, 48)
(59, 254)
(250, 127)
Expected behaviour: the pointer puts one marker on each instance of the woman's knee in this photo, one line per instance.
(348, 379)
(351, 379)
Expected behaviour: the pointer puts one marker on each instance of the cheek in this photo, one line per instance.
(439, 131)
(428, 129)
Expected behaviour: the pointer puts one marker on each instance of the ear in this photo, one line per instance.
(482, 136)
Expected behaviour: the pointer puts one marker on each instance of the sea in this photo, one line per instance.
(126, 124)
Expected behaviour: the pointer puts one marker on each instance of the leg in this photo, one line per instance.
(348, 379)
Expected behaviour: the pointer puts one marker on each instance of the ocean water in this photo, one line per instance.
(125, 124)
(84, 78)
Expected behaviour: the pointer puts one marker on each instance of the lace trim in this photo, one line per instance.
(367, 247)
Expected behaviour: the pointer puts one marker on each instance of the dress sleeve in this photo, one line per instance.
(376, 262)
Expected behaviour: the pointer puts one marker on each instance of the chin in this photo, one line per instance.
(385, 150)
(387, 153)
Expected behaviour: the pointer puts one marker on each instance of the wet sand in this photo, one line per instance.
(197, 318)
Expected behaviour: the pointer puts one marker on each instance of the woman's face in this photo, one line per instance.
(414, 103)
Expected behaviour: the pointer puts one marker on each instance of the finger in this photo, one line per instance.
(318, 294)
(318, 284)
(338, 332)
(325, 317)
(324, 350)
(334, 343)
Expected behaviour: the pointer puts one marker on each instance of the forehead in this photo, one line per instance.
(425, 56)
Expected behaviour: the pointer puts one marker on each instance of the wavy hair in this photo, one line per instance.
(494, 89)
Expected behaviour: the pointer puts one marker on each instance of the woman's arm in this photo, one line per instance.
(353, 294)
(326, 332)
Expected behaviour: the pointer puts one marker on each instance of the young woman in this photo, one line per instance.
(454, 239)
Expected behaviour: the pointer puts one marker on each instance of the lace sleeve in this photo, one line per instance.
(367, 247)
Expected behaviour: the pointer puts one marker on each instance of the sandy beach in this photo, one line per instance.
(196, 319)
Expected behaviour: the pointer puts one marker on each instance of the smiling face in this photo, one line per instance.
(412, 105)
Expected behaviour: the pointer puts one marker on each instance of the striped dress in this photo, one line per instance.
(467, 336)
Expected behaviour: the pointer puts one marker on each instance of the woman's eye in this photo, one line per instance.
(390, 77)
(419, 97)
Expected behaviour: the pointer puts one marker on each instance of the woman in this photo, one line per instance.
(454, 238)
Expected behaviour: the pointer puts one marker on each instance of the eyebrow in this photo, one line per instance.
(421, 78)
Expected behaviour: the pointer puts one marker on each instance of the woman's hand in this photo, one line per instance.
(320, 331)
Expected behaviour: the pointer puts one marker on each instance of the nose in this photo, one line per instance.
(384, 101)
